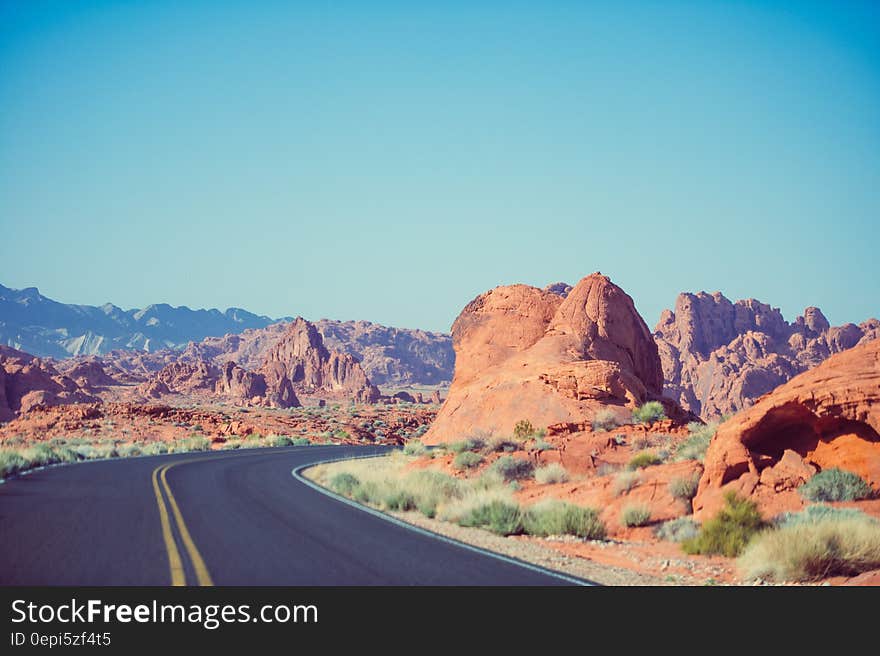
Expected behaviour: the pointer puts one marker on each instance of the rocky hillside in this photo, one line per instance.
(34, 323)
(393, 355)
(38, 325)
(719, 357)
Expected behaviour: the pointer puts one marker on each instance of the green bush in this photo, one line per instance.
(835, 485)
(694, 447)
(643, 459)
(505, 444)
(415, 448)
(301, 441)
(684, 488)
(282, 440)
(523, 429)
(635, 515)
(552, 473)
(513, 469)
(498, 516)
(11, 463)
(818, 512)
(468, 444)
(729, 532)
(649, 412)
(624, 482)
(552, 517)
(467, 460)
(605, 420)
(678, 530)
(344, 483)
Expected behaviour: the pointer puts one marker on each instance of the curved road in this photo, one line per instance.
(221, 518)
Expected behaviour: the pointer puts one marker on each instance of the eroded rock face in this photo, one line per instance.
(27, 382)
(527, 353)
(718, 357)
(301, 357)
(823, 418)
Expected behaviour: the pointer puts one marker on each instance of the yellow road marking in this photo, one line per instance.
(174, 563)
(202, 575)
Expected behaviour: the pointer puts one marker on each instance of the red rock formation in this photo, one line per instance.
(301, 357)
(28, 382)
(826, 417)
(189, 377)
(89, 373)
(242, 385)
(718, 356)
(527, 353)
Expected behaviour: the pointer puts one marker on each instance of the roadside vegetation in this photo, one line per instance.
(484, 501)
(16, 460)
(729, 531)
(816, 543)
(836, 485)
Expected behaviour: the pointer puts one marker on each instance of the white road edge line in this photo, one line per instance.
(437, 536)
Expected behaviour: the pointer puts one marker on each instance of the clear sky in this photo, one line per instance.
(391, 160)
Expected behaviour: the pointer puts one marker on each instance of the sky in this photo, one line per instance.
(390, 161)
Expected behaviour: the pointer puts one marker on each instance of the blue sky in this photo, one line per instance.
(390, 161)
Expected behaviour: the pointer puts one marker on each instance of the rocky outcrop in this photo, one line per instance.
(301, 358)
(392, 356)
(27, 382)
(527, 353)
(826, 417)
(90, 374)
(718, 357)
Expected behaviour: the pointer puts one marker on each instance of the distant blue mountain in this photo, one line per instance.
(36, 324)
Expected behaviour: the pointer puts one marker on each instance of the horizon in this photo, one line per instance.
(389, 163)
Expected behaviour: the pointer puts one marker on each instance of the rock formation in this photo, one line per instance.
(718, 356)
(392, 355)
(301, 357)
(27, 381)
(826, 417)
(527, 353)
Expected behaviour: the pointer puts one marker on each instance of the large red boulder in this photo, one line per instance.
(823, 418)
(527, 353)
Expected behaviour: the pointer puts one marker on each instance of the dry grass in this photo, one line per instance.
(552, 473)
(810, 551)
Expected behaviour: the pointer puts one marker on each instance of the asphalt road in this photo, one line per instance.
(221, 518)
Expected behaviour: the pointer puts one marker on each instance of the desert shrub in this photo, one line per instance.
(678, 530)
(605, 420)
(553, 517)
(415, 448)
(649, 412)
(812, 550)
(542, 445)
(694, 447)
(282, 440)
(523, 429)
(300, 441)
(500, 517)
(635, 515)
(344, 483)
(817, 512)
(513, 469)
(430, 489)
(552, 473)
(192, 443)
(624, 482)
(684, 488)
(467, 460)
(129, 450)
(11, 463)
(643, 459)
(835, 485)
(155, 449)
(467, 444)
(399, 499)
(729, 531)
(502, 444)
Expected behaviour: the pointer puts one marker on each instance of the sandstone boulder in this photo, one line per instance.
(527, 353)
(826, 417)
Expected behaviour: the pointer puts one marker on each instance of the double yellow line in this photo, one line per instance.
(175, 563)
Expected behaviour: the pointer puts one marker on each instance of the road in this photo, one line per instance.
(219, 518)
